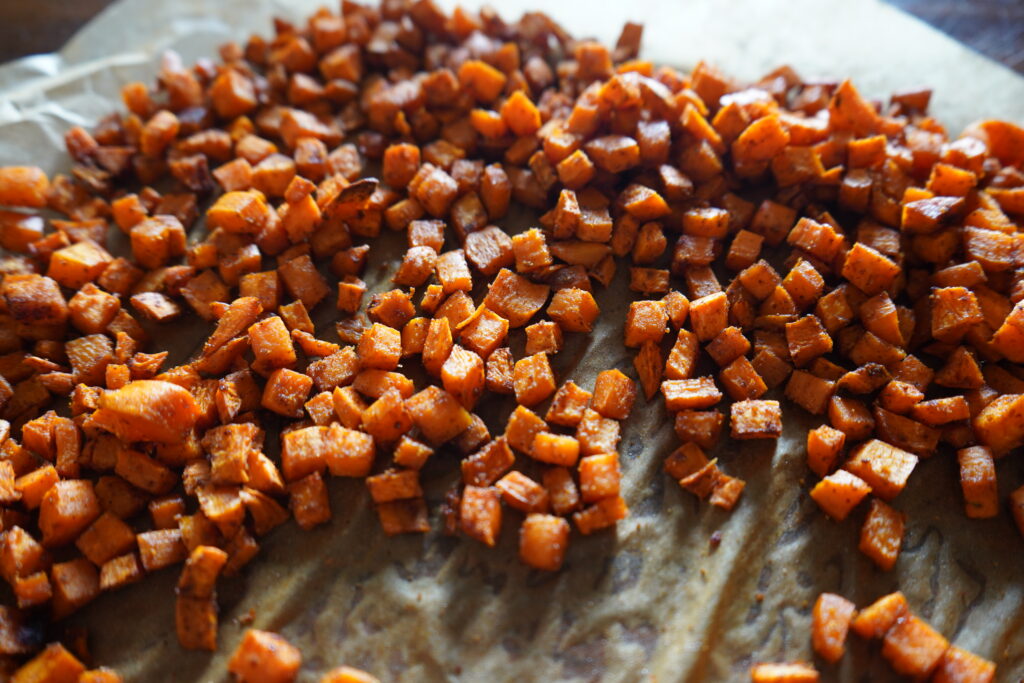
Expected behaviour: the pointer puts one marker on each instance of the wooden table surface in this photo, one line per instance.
(993, 27)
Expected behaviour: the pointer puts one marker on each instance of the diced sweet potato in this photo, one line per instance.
(881, 536)
(840, 492)
(978, 482)
(884, 467)
(543, 540)
(830, 622)
(960, 666)
(265, 657)
(439, 415)
(533, 379)
(875, 620)
(913, 648)
(147, 410)
(480, 514)
(756, 419)
(790, 672)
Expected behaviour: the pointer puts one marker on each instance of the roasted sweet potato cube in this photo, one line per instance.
(809, 392)
(614, 394)
(788, 672)
(555, 449)
(23, 186)
(286, 392)
(488, 464)
(869, 270)
(303, 281)
(645, 321)
(881, 536)
(499, 372)
(75, 265)
(851, 417)
(161, 548)
(824, 444)
(196, 623)
(1000, 424)
(34, 299)
(978, 482)
(840, 492)
(533, 379)
(940, 411)
(961, 666)
(709, 315)
(543, 540)
(480, 514)
(308, 501)
(807, 340)
(380, 347)
(875, 620)
(830, 622)
(67, 508)
(568, 405)
(574, 309)
(729, 345)
(387, 419)
(756, 419)
(742, 381)
(264, 656)
(522, 493)
(599, 476)
(687, 394)
(515, 298)
(913, 648)
(105, 539)
(884, 467)
(597, 434)
(463, 376)
(438, 414)
(271, 344)
(394, 485)
(601, 515)
(954, 311)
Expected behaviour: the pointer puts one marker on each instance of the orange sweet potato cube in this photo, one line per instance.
(978, 482)
(601, 515)
(271, 344)
(824, 444)
(709, 315)
(463, 376)
(67, 508)
(75, 584)
(500, 370)
(515, 298)
(875, 620)
(484, 467)
(809, 392)
(308, 501)
(614, 394)
(286, 392)
(533, 379)
(522, 493)
(756, 419)
(480, 514)
(884, 467)
(913, 648)
(650, 367)
(645, 321)
(742, 381)
(573, 309)
(543, 337)
(161, 548)
(386, 419)
(869, 270)
(555, 449)
(961, 666)
(840, 492)
(105, 539)
(54, 663)
(484, 331)
(807, 339)
(380, 347)
(789, 672)
(881, 536)
(830, 622)
(394, 485)
(543, 540)
(438, 414)
(265, 656)
(689, 394)
(562, 490)
(597, 434)
(568, 405)
(437, 345)
(599, 476)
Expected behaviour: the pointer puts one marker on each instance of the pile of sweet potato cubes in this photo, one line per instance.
(784, 236)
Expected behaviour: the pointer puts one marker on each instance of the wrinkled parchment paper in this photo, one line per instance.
(650, 600)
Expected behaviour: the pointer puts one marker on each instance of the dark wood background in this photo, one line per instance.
(992, 27)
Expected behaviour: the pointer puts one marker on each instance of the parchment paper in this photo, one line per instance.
(651, 600)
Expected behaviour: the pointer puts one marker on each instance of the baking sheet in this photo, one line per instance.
(650, 600)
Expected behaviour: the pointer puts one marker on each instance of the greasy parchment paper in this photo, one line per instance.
(649, 600)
